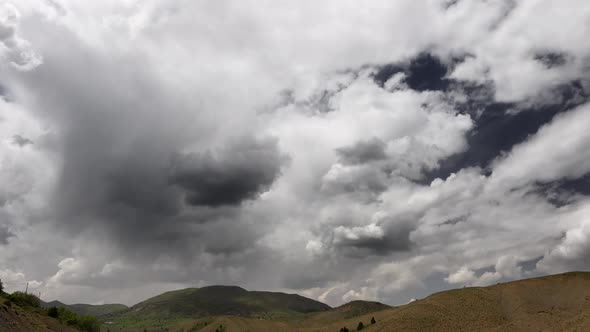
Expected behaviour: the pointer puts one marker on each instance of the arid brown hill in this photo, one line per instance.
(553, 303)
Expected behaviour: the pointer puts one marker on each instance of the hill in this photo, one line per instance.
(225, 300)
(18, 319)
(552, 303)
(357, 308)
(195, 304)
(343, 312)
(271, 320)
(88, 309)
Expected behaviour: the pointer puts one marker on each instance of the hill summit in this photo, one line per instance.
(225, 300)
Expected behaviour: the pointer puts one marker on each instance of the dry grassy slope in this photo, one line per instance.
(14, 318)
(332, 320)
(552, 303)
(311, 324)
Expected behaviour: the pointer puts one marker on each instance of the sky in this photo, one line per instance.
(342, 150)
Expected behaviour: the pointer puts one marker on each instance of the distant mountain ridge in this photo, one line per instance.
(88, 309)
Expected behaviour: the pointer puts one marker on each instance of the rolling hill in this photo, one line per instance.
(88, 309)
(552, 303)
(224, 300)
(198, 305)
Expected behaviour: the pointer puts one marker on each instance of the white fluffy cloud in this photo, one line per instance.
(16, 51)
(559, 150)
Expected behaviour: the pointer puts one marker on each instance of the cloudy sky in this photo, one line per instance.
(342, 150)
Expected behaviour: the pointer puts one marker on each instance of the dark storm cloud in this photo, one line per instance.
(552, 59)
(449, 3)
(363, 152)
(124, 170)
(455, 220)
(20, 140)
(5, 234)
(237, 173)
(396, 238)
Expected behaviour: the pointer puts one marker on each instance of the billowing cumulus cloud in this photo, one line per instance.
(335, 149)
(16, 50)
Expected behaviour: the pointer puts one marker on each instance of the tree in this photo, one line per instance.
(52, 312)
(1, 287)
(373, 321)
(360, 326)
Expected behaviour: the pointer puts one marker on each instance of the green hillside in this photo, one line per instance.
(224, 300)
(198, 305)
(20, 311)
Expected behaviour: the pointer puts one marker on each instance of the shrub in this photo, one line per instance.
(360, 326)
(88, 324)
(66, 316)
(52, 312)
(373, 321)
(1, 287)
(25, 299)
(344, 329)
(85, 323)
